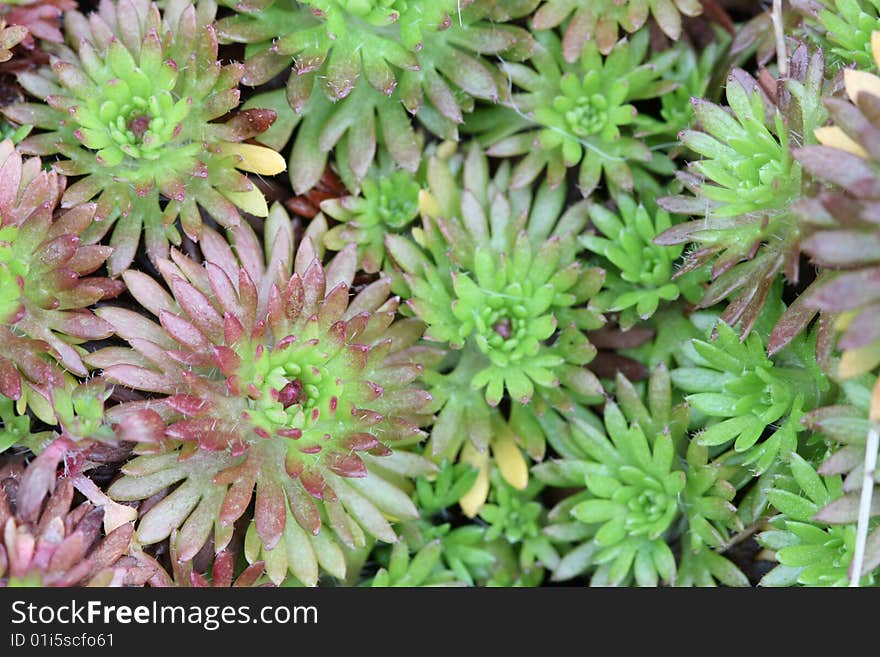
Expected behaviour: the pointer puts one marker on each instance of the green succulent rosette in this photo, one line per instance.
(743, 189)
(813, 535)
(640, 275)
(747, 392)
(580, 115)
(638, 484)
(359, 70)
(47, 289)
(495, 277)
(133, 111)
(388, 203)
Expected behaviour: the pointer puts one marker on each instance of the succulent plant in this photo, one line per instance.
(15, 429)
(812, 537)
(464, 551)
(80, 412)
(45, 288)
(388, 203)
(60, 546)
(553, 304)
(506, 570)
(846, 27)
(271, 377)
(840, 224)
(749, 392)
(133, 111)
(508, 302)
(743, 188)
(638, 485)
(708, 568)
(437, 554)
(845, 425)
(580, 115)
(600, 20)
(81, 440)
(366, 118)
(695, 73)
(359, 67)
(422, 569)
(639, 274)
(518, 518)
(846, 428)
(563, 115)
(437, 492)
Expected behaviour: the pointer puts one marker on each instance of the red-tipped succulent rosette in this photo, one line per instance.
(47, 286)
(269, 376)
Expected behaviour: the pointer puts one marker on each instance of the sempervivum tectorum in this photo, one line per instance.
(133, 111)
(358, 68)
(54, 545)
(741, 193)
(45, 290)
(495, 276)
(275, 379)
(581, 114)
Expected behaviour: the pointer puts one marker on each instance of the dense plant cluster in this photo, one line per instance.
(439, 293)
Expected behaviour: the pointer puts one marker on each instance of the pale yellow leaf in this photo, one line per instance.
(875, 393)
(858, 82)
(836, 138)
(251, 201)
(854, 362)
(256, 159)
(510, 461)
(472, 501)
(428, 204)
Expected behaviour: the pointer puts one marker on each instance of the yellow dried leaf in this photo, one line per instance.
(428, 204)
(115, 514)
(874, 412)
(836, 138)
(858, 82)
(472, 501)
(510, 461)
(256, 159)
